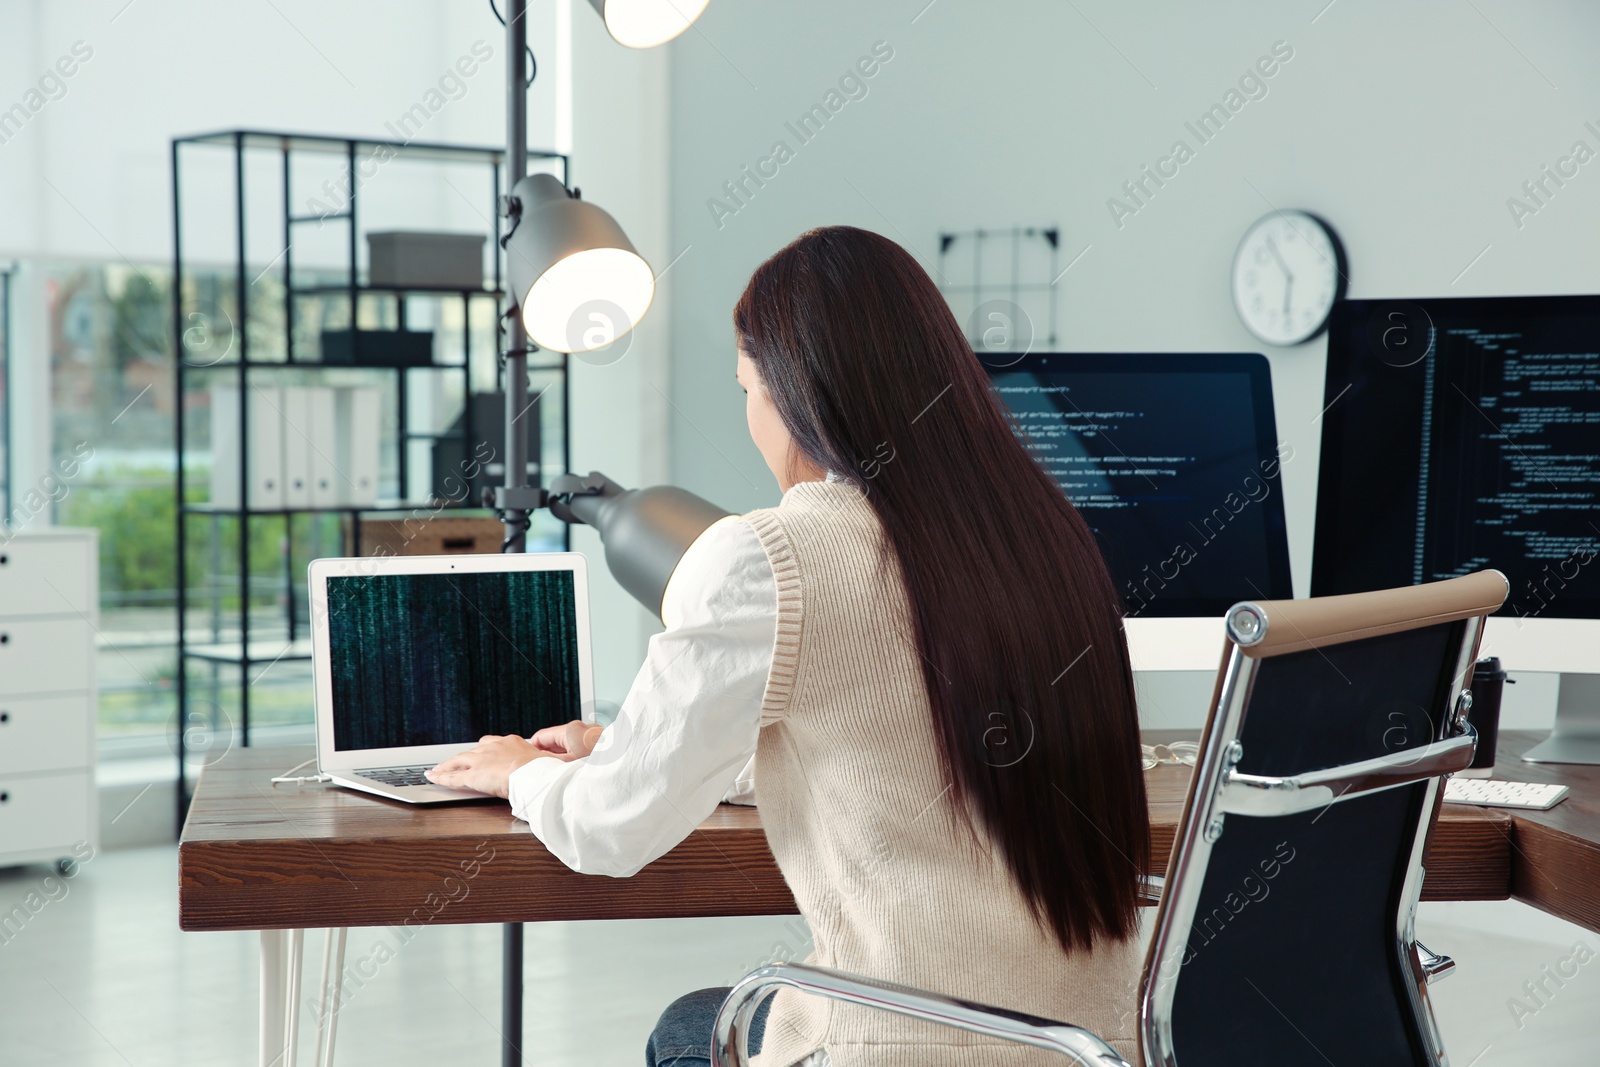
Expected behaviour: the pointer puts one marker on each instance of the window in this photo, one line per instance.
(111, 387)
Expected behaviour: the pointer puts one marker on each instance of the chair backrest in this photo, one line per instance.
(1285, 931)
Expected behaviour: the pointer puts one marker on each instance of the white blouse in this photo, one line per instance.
(685, 738)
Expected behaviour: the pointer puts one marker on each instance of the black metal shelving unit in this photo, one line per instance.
(242, 653)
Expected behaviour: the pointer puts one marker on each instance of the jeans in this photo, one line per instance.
(682, 1037)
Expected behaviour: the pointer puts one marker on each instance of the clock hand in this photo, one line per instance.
(1288, 285)
(1272, 246)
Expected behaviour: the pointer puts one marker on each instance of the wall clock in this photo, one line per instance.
(1288, 273)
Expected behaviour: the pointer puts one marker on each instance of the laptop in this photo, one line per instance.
(416, 657)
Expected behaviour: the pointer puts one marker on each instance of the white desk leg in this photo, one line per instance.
(274, 950)
(328, 1001)
(291, 993)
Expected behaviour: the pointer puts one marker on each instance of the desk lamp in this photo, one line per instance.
(571, 268)
(647, 23)
(576, 283)
(645, 531)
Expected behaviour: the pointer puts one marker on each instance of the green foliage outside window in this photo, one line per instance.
(135, 512)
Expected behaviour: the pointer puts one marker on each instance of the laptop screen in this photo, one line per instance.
(432, 659)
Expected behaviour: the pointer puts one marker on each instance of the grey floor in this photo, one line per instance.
(100, 974)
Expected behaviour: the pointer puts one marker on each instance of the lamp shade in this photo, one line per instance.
(573, 272)
(645, 531)
(647, 23)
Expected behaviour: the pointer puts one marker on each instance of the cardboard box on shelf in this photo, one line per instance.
(437, 536)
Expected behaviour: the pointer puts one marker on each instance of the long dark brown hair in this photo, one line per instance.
(1016, 617)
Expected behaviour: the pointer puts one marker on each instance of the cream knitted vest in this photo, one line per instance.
(858, 814)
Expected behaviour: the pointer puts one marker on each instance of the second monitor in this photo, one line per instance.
(1464, 433)
(1174, 461)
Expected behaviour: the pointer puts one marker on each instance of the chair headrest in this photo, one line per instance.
(1273, 627)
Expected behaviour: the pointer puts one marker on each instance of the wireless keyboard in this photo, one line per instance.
(1497, 794)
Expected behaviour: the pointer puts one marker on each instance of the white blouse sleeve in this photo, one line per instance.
(686, 734)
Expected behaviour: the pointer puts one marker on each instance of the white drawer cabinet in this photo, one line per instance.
(45, 733)
(44, 655)
(45, 575)
(49, 601)
(44, 815)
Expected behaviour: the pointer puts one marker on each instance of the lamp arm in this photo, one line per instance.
(565, 488)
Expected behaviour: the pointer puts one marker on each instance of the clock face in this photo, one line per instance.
(1287, 275)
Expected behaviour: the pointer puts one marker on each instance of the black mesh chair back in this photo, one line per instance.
(1285, 932)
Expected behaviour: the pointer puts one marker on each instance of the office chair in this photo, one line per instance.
(1284, 932)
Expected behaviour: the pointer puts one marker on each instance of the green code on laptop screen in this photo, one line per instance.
(429, 659)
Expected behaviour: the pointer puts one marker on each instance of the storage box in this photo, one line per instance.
(437, 536)
(405, 258)
(377, 348)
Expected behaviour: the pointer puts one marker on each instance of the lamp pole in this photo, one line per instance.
(515, 367)
(515, 358)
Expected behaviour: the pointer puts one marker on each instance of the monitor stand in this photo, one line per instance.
(1575, 738)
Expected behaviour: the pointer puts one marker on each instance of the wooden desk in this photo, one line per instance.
(254, 856)
(1555, 854)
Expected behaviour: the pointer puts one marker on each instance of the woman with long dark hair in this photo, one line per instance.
(922, 650)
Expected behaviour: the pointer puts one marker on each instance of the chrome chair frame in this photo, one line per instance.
(1217, 791)
(729, 1044)
(1220, 790)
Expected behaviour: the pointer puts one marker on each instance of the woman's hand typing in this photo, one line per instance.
(487, 766)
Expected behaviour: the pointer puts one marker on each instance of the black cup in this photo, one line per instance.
(1488, 684)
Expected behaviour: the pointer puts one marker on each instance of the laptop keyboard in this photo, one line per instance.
(397, 776)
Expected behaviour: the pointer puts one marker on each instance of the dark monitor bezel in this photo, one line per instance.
(1259, 371)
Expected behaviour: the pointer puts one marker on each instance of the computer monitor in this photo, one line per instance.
(1175, 462)
(1461, 434)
